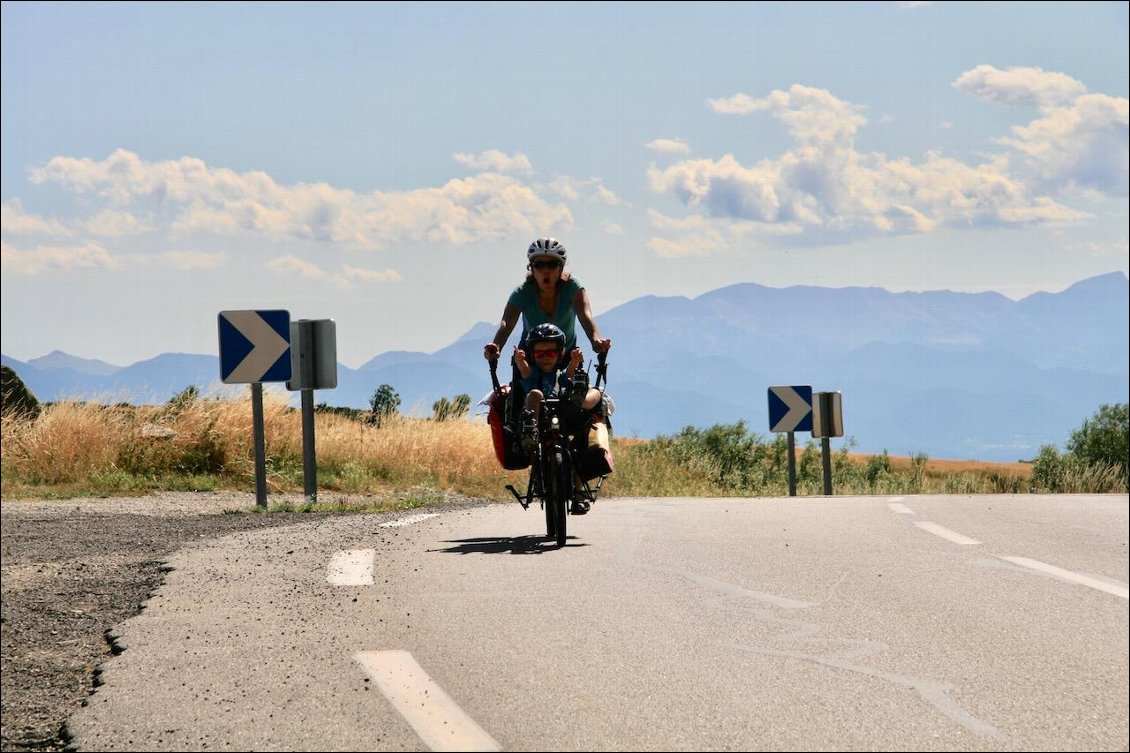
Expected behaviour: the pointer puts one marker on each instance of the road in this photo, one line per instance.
(881, 623)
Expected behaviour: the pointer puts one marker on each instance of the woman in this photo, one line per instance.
(549, 295)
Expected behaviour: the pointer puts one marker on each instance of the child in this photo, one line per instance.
(546, 344)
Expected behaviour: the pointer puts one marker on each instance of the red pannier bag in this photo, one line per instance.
(505, 444)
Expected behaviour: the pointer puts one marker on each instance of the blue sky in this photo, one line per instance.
(385, 165)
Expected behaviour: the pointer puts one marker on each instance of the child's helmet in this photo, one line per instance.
(547, 333)
(546, 247)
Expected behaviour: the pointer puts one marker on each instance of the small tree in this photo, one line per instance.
(1104, 438)
(15, 397)
(451, 410)
(385, 402)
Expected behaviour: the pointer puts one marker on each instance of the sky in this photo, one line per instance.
(386, 165)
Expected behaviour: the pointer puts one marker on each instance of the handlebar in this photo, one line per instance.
(601, 370)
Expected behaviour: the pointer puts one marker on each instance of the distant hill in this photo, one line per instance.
(952, 375)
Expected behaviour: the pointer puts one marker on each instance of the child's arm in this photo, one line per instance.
(575, 359)
(521, 362)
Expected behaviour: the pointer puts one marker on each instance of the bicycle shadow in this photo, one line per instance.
(506, 545)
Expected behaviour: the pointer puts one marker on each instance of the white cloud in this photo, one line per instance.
(13, 219)
(1019, 86)
(832, 191)
(112, 223)
(188, 260)
(1081, 146)
(292, 265)
(739, 104)
(496, 161)
(697, 244)
(371, 275)
(1080, 140)
(668, 146)
(203, 199)
(577, 190)
(54, 258)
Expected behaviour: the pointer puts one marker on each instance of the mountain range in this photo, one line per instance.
(951, 375)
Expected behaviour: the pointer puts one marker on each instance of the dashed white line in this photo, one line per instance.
(437, 719)
(409, 520)
(351, 568)
(947, 534)
(1069, 576)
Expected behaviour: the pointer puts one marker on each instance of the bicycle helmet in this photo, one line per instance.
(546, 247)
(547, 333)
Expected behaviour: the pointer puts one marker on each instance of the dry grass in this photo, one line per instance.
(943, 468)
(88, 449)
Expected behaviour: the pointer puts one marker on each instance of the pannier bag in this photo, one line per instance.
(595, 459)
(505, 435)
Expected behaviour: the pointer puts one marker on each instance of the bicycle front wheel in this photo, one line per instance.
(561, 489)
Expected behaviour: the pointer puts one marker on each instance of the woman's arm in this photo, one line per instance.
(584, 316)
(509, 318)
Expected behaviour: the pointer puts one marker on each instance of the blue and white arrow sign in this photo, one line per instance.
(254, 346)
(790, 408)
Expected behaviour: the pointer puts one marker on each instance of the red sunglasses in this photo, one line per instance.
(552, 352)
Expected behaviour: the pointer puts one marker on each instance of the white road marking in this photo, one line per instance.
(1069, 576)
(947, 534)
(439, 722)
(409, 520)
(900, 509)
(352, 568)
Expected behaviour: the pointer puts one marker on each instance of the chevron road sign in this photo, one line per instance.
(254, 346)
(790, 409)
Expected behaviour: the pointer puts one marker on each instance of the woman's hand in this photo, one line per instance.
(602, 346)
(490, 352)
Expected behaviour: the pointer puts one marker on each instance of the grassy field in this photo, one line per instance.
(84, 449)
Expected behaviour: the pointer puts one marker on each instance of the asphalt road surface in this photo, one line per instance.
(847, 623)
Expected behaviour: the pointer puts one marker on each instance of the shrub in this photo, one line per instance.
(1103, 438)
(15, 397)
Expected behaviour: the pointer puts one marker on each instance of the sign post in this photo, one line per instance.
(827, 421)
(314, 365)
(255, 348)
(790, 410)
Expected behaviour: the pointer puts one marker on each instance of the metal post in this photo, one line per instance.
(309, 461)
(260, 444)
(792, 465)
(309, 457)
(826, 448)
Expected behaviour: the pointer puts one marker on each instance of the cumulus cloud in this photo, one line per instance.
(495, 161)
(1019, 86)
(189, 260)
(1080, 140)
(590, 190)
(370, 275)
(293, 265)
(824, 189)
(13, 219)
(198, 198)
(668, 146)
(54, 258)
(110, 223)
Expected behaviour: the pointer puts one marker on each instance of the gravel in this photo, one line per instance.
(70, 571)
